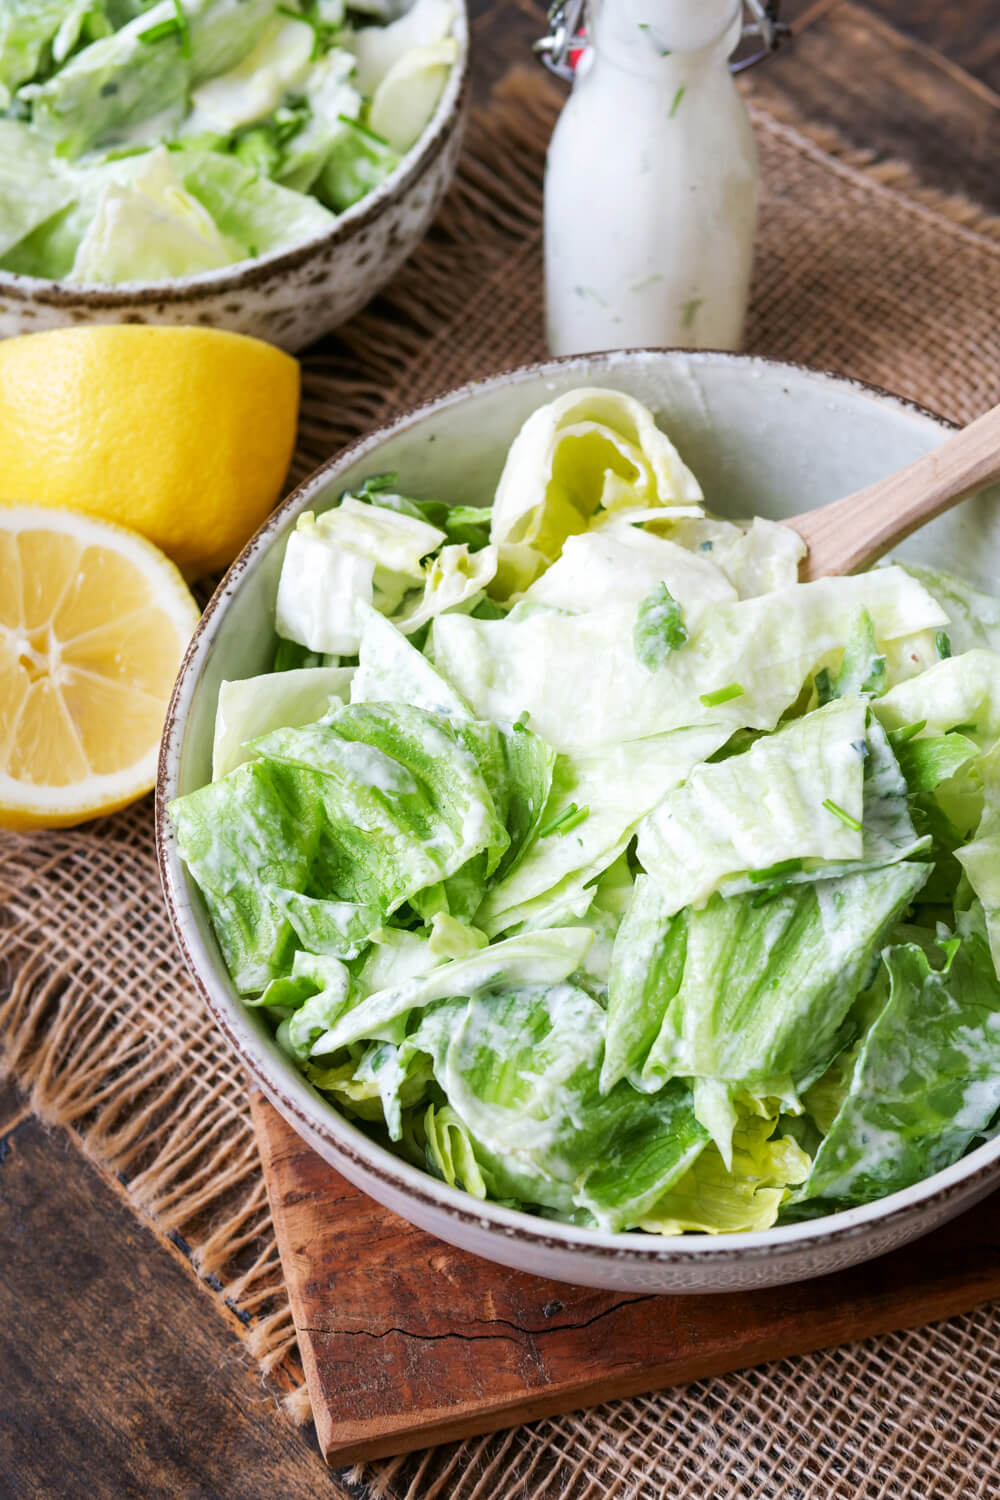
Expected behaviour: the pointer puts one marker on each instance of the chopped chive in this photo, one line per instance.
(860, 747)
(521, 722)
(783, 867)
(762, 897)
(183, 29)
(722, 695)
(175, 25)
(838, 812)
(580, 816)
(161, 29)
(943, 643)
(965, 729)
(689, 310)
(907, 733)
(370, 135)
(679, 94)
(570, 817)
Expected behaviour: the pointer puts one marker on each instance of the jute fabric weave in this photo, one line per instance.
(858, 270)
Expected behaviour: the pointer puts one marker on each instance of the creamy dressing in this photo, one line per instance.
(651, 185)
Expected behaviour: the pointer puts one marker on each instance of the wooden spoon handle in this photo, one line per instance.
(852, 533)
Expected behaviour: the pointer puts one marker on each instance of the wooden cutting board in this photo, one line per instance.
(408, 1342)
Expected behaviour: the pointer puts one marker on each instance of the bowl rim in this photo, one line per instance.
(244, 274)
(288, 1089)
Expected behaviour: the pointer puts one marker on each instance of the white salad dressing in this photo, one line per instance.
(651, 185)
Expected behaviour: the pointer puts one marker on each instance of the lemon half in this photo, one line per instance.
(182, 434)
(94, 621)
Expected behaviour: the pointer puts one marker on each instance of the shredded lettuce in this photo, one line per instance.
(276, 117)
(925, 1082)
(579, 678)
(624, 879)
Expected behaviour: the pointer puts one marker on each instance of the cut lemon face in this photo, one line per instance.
(94, 621)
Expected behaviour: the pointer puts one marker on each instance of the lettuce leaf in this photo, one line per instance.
(587, 452)
(617, 786)
(822, 797)
(754, 995)
(277, 63)
(371, 807)
(763, 810)
(257, 215)
(352, 555)
(454, 579)
(333, 102)
(358, 162)
(391, 670)
(974, 617)
(31, 189)
(531, 958)
(380, 49)
(959, 691)
(152, 229)
(253, 706)
(519, 1068)
(578, 676)
(980, 859)
(926, 1080)
(406, 98)
(712, 1198)
(26, 29)
(618, 564)
(756, 556)
(101, 93)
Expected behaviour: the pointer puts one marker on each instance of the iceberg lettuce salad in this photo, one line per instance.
(583, 856)
(142, 140)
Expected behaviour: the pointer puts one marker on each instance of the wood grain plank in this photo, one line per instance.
(117, 1378)
(886, 93)
(967, 32)
(409, 1342)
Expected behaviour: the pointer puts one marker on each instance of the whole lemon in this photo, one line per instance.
(182, 434)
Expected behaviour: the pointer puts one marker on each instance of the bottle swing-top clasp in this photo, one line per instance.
(567, 36)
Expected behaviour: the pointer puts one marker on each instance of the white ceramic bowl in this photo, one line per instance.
(762, 437)
(290, 297)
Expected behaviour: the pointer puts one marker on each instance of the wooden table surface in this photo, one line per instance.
(117, 1379)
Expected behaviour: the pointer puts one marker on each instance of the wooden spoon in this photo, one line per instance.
(850, 534)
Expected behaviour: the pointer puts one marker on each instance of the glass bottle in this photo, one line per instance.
(651, 185)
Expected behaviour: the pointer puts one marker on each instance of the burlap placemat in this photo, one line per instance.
(858, 269)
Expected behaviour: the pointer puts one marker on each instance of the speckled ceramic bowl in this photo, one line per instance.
(765, 438)
(290, 297)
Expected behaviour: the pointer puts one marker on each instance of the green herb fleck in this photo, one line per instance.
(588, 291)
(722, 695)
(521, 722)
(324, 33)
(571, 817)
(689, 311)
(369, 135)
(659, 628)
(838, 812)
(966, 729)
(943, 643)
(678, 96)
(160, 30)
